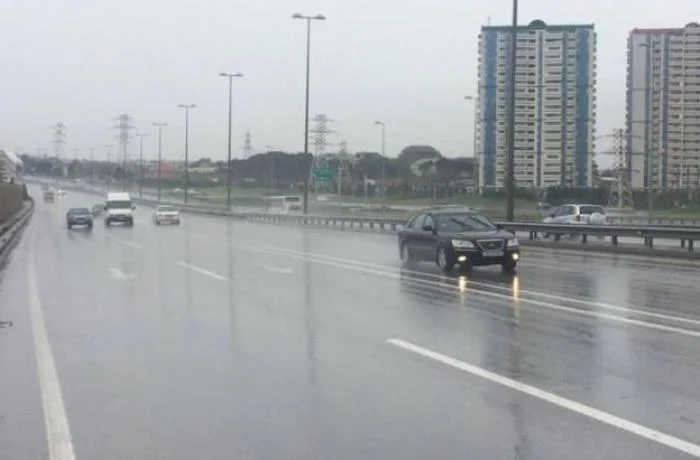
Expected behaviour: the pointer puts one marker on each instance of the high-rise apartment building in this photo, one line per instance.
(663, 107)
(555, 105)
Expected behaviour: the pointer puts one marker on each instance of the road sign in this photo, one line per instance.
(324, 174)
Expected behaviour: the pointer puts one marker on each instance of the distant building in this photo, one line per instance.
(167, 171)
(10, 166)
(663, 106)
(555, 105)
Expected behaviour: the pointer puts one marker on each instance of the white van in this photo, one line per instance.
(118, 208)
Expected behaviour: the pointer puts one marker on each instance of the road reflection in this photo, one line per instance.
(310, 313)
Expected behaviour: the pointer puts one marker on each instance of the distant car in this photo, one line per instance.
(591, 214)
(60, 191)
(79, 216)
(166, 214)
(452, 237)
(49, 196)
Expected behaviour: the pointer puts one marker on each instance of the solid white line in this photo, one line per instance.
(282, 270)
(595, 414)
(131, 244)
(60, 441)
(476, 283)
(382, 271)
(184, 264)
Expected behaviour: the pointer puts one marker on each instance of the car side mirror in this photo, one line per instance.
(551, 215)
(499, 226)
(133, 208)
(105, 208)
(428, 228)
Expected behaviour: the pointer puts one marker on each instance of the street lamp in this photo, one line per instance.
(187, 108)
(160, 125)
(141, 136)
(382, 168)
(308, 19)
(477, 158)
(230, 77)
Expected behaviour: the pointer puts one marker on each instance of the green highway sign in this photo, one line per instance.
(324, 174)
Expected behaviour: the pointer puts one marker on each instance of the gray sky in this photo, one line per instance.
(408, 63)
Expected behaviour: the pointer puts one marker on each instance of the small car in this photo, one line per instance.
(79, 216)
(49, 196)
(166, 214)
(451, 237)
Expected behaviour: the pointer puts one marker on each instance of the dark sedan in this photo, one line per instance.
(451, 237)
(79, 216)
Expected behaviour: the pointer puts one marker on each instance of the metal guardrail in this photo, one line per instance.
(685, 234)
(11, 230)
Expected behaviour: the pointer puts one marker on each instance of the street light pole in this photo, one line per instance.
(308, 19)
(510, 177)
(141, 137)
(230, 77)
(382, 163)
(187, 108)
(160, 153)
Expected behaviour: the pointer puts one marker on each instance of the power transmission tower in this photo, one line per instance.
(320, 134)
(59, 141)
(247, 145)
(124, 126)
(621, 193)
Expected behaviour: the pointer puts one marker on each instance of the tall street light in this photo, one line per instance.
(160, 125)
(318, 17)
(187, 108)
(477, 158)
(230, 77)
(510, 177)
(382, 168)
(141, 136)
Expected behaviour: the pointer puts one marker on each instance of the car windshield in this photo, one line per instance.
(119, 204)
(463, 223)
(166, 209)
(591, 209)
(79, 211)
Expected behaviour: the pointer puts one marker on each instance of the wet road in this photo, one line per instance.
(232, 340)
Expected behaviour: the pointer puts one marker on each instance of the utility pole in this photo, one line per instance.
(160, 125)
(512, 66)
(271, 172)
(187, 108)
(308, 19)
(141, 137)
(342, 158)
(383, 161)
(92, 164)
(230, 77)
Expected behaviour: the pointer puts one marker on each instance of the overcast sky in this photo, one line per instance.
(406, 62)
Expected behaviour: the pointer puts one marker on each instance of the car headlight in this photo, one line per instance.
(513, 243)
(462, 244)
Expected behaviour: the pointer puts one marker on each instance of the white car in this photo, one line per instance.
(590, 214)
(166, 214)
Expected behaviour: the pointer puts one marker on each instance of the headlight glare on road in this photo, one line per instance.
(513, 243)
(462, 244)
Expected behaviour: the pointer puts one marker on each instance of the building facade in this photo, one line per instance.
(555, 105)
(663, 107)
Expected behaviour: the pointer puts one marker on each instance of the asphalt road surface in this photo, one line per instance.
(221, 339)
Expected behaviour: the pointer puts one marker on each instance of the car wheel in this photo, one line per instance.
(509, 265)
(444, 260)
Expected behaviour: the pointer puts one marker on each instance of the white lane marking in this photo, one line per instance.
(211, 274)
(522, 300)
(546, 295)
(124, 242)
(58, 435)
(282, 270)
(119, 275)
(565, 403)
